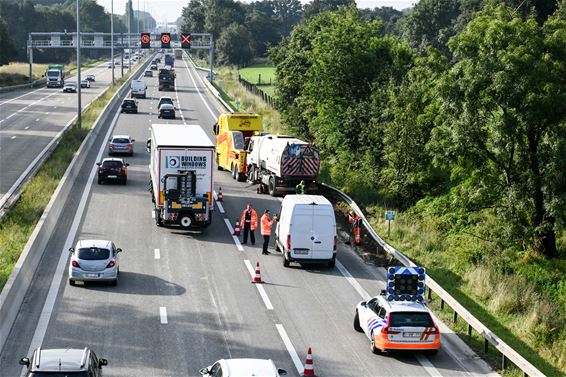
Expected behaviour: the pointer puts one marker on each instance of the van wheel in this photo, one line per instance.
(186, 221)
(332, 263)
(286, 263)
(357, 326)
(271, 187)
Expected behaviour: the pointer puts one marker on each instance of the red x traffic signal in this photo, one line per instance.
(185, 40)
(165, 40)
(145, 40)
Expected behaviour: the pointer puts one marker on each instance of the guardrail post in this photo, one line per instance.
(429, 294)
(455, 317)
(485, 345)
(469, 330)
(441, 304)
(503, 362)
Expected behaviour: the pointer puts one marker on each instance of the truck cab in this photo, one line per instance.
(55, 76)
(233, 132)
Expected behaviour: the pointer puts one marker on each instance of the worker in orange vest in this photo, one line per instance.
(355, 222)
(249, 222)
(266, 224)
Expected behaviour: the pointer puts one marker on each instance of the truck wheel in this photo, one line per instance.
(186, 221)
(272, 190)
(158, 219)
(241, 177)
(218, 162)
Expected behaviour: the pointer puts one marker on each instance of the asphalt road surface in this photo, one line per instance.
(31, 118)
(185, 299)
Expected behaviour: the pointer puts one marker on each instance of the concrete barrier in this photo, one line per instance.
(20, 279)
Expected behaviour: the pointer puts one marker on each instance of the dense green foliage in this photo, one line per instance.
(6, 47)
(460, 118)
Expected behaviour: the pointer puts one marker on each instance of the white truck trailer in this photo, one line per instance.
(279, 163)
(180, 168)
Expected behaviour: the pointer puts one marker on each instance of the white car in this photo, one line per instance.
(85, 83)
(163, 100)
(94, 260)
(397, 325)
(243, 367)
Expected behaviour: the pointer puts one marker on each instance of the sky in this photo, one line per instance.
(170, 10)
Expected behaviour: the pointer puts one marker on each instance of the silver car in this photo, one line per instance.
(121, 144)
(94, 260)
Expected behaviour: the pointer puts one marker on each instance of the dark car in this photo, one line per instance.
(112, 169)
(90, 77)
(166, 110)
(129, 106)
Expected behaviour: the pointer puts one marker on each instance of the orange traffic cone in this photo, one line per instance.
(357, 238)
(309, 366)
(257, 277)
(219, 196)
(237, 228)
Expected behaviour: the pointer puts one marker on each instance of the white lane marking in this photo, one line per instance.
(425, 363)
(25, 107)
(47, 113)
(199, 92)
(261, 290)
(48, 307)
(353, 282)
(163, 315)
(13, 137)
(290, 348)
(157, 253)
(231, 230)
(26, 128)
(179, 104)
(37, 120)
(218, 204)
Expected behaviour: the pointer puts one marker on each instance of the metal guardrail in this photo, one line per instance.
(508, 354)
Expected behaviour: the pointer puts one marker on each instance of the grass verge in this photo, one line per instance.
(18, 224)
(512, 306)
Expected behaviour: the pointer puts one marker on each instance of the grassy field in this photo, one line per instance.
(259, 74)
(511, 306)
(18, 224)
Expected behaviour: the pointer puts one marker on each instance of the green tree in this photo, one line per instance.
(430, 23)
(222, 13)
(264, 31)
(288, 13)
(233, 45)
(506, 108)
(316, 7)
(193, 17)
(7, 50)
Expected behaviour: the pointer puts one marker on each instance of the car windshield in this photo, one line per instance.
(120, 140)
(93, 253)
(112, 164)
(410, 319)
(129, 102)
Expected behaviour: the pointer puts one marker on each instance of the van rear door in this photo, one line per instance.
(323, 232)
(300, 231)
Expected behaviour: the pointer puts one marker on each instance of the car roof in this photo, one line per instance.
(402, 306)
(165, 97)
(250, 367)
(60, 359)
(113, 159)
(94, 243)
(306, 199)
(121, 137)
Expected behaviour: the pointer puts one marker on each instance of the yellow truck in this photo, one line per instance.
(233, 132)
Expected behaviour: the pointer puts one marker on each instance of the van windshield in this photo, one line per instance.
(410, 319)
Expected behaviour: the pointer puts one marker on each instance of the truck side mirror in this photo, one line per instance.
(148, 145)
(215, 128)
(24, 361)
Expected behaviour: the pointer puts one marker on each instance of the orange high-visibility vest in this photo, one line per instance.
(266, 224)
(253, 222)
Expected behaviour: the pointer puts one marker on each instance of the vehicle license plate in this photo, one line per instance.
(112, 176)
(92, 275)
(301, 251)
(411, 335)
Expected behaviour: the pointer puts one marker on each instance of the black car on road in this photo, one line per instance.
(129, 106)
(112, 169)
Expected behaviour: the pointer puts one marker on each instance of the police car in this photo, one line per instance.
(398, 319)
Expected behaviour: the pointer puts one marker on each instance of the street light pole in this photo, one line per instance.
(79, 115)
(112, 38)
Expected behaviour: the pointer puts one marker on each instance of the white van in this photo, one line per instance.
(306, 230)
(138, 89)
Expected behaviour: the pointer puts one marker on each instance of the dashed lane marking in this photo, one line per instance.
(261, 290)
(231, 230)
(157, 254)
(290, 348)
(163, 315)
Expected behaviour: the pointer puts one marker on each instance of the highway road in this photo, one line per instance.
(31, 118)
(185, 299)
